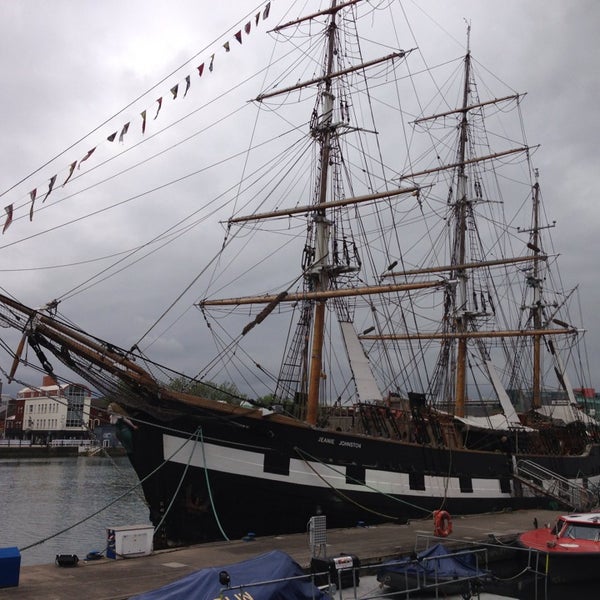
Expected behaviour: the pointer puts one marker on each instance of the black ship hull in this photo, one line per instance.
(221, 477)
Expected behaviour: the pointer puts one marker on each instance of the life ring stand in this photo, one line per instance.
(442, 523)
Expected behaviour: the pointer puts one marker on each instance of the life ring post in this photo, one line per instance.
(442, 523)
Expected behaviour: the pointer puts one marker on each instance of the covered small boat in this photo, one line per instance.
(435, 569)
(567, 551)
(271, 576)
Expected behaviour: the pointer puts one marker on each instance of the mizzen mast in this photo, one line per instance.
(536, 401)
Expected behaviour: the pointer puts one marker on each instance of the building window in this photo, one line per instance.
(75, 404)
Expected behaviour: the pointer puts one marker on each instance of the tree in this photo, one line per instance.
(223, 392)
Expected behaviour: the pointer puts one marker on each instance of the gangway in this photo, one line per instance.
(544, 481)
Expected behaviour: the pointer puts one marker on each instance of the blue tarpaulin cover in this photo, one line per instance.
(435, 563)
(275, 565)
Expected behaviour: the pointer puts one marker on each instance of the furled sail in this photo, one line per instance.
(366, 386)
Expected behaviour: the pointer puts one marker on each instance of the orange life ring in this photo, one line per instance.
(442, 523)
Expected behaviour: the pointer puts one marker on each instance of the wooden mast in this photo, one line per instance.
(319, 272)
(460, 307)
(536, 401)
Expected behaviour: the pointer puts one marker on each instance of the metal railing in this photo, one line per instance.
(574, 495)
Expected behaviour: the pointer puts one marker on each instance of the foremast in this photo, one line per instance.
(321, 265)
(318, 272)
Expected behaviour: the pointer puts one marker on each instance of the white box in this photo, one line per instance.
(129, 541)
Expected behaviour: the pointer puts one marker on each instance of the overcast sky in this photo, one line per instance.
(70, 66)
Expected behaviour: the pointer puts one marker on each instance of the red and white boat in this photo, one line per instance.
(570, 550)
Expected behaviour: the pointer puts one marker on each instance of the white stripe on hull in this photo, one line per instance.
(235, 461)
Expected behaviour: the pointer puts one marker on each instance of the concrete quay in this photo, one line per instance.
(108, 579)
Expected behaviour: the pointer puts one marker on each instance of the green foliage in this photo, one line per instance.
(268, 400)
(226, 392)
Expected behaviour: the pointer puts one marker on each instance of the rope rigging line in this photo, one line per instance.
(213, 260)
(230, 419)
(50, 161)
(303, 454)
(181, 479)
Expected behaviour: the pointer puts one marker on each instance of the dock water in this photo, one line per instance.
(108, 579)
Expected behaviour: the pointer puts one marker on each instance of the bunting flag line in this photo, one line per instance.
(90, 152)
(71, 169)
(9, 217)
(159, 107)
(32, 195)
(238, 35)
(123, 132)
(50, 187)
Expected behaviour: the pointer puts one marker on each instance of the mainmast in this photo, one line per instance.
(318, 272)
(460, 307)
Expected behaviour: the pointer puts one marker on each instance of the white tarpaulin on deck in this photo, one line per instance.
(566, 413)
(495, 422)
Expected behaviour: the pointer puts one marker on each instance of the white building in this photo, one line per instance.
(55, 411)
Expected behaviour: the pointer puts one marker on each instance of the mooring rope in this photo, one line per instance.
(300, 452)
(209, 490)
(91, 516)
(187, 466)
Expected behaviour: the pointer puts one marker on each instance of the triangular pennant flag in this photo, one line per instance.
(226, 46)
(90, 152)
(238, 36)
(247, 27)
(32, 195)
(187, 85)
(257, 18)
(123, 132)
(9, 217)
(159, 107)
(267, 11)
(200, 70)
(143, 113)
(71, 169)
(212, 60)
(50, 187)
(112, 137)
(174, 91)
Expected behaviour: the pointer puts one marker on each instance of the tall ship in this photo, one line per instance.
(391, 256)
